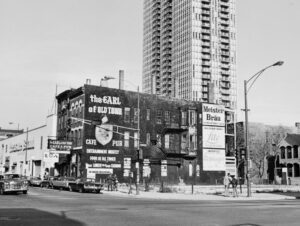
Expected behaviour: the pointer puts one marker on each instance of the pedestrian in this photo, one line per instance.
(226, 182)
(115, 182)
(109, 181)
(234, 183)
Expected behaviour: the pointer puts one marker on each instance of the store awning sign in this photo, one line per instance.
(60, 146)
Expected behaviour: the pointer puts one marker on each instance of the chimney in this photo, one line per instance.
(121, 79)
(88, 81)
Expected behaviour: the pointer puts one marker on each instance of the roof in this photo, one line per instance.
(291, 139)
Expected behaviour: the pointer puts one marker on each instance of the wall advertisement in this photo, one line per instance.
(213, 137)
(213, 115)
(214, 160)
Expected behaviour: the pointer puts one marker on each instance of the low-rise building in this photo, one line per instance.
(287, 160)
(27, 153)
(113, 129)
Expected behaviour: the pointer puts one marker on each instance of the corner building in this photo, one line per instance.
(104, 130)
(189, 50)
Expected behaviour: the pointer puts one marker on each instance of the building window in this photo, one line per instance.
(193, 142)
(148, 114)
(282, 155)
(183, 142)
(136, 115)
(192, 117)
(290, 170)
(167, 141)
(159, 117)
(158, 140)
(148, 137)
(183, 118)
(289, 152)
(79, 138)
(136, 141)
(41, 146)
(126, 139)
(295, 152)
(167, 117)
(75, 138)
(127, 115)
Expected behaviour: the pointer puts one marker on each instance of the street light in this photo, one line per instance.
(246, 90)
(103, 81)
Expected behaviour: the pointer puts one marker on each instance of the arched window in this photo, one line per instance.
(295, 152)
(75, 138)
(296, 170)
(290, 170)
(282, 152)
(289, 152)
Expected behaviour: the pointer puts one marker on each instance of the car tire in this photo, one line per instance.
(70, 188)
(25, 192)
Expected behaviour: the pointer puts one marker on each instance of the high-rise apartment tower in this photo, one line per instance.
(189, 50)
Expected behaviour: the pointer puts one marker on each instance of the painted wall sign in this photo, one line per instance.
(213, 137)
(213, 115)
(213, 160)
(91, 172)
(103, 101)
(104, 133)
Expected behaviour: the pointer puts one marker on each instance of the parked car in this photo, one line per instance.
(47, 182)
(62, 182)
(10, 183)
(35, 181)
(85, 185)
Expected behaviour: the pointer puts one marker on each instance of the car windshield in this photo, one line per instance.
(11, 176)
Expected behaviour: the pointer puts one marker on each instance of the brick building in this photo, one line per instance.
(178, 139)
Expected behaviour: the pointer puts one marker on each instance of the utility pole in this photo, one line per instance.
(26, 148)
(138, 145)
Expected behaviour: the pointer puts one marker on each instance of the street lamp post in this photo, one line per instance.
(246, 90)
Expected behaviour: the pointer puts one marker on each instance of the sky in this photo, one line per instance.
(49, 45)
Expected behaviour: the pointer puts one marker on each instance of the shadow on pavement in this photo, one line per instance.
(245, 224)
(292, 194)
(32, 217)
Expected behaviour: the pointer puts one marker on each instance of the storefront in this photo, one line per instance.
(25, 153)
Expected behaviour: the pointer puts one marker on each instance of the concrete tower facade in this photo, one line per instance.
(189, 50)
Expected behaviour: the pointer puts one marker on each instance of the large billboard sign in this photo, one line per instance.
(214, 160)
(213, 137)
(213, 115)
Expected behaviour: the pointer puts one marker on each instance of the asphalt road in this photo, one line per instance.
(52, 207)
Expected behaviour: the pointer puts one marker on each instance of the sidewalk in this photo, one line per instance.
(199, 196)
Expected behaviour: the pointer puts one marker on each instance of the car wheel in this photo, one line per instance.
(70, 188)
(25, 192)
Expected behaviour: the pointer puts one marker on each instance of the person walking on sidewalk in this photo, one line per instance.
(234, 183)
(226, 182)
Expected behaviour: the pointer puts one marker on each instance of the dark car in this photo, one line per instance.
(85, 185)
(13, 183)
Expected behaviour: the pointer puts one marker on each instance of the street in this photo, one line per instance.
(54, 207)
